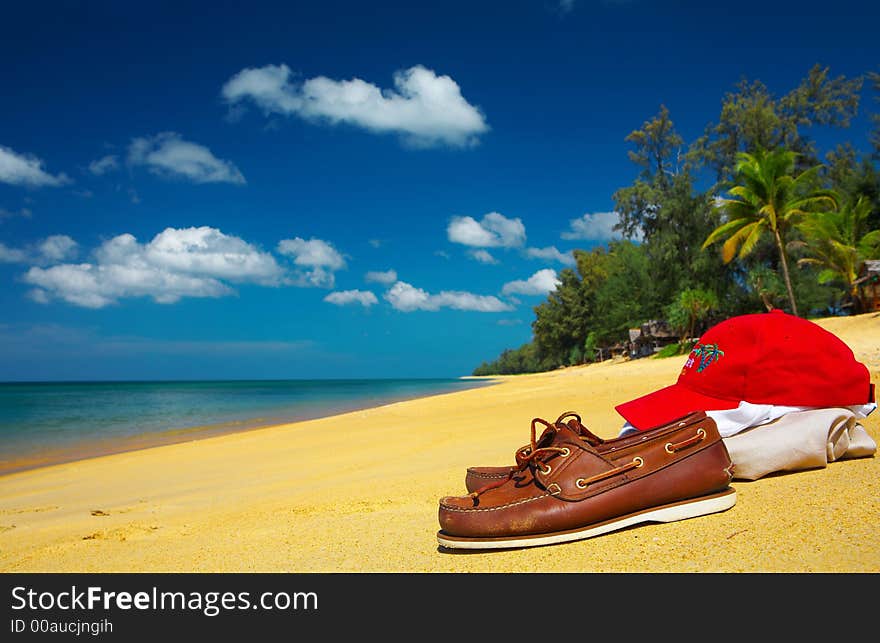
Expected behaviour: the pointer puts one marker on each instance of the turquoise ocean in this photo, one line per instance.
(50, 422)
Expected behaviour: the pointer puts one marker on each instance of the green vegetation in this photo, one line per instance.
(839, 244)
(689, 310)
(794, 230)
(768, 198)
(671, 350)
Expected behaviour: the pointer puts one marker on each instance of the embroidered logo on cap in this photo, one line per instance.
(708, 354)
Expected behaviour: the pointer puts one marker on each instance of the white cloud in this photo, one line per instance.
(95, 286)
(343, 297)
(206, 251)
(598, 226)
(104, 164)
(317, 259)
(176, 263)
(386, 277)
(408, 298)
(540, 283)
(314, 278)
(494, 230)
(551, 253)
(23, 169)
(167, 154)
(425, 108)
(12, 255)
(58, 247)
(483, 256)
(314, 252)
(52, 249)
(39, 296)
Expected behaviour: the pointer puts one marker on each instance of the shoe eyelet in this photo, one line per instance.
(546, 471)
(580, 483)
(638, 461)
(701, 433)
(669, 448)
(565, 452)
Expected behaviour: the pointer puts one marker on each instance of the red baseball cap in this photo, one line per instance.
(764, 358)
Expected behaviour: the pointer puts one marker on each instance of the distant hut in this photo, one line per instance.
(609, 352)
(868, 283)
(650, 338)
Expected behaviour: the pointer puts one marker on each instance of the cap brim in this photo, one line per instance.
(667, 404)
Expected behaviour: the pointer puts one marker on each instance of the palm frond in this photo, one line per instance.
(768, 212)
(807, 175)
(810, 261)
(826, 276)
(723, 230)
(751, 239)
(869, 245)
(737, 239)
(815, 200)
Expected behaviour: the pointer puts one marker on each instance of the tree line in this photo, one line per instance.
(746, 217)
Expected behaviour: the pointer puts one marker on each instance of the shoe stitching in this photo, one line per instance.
(499, 507)
(475, 474)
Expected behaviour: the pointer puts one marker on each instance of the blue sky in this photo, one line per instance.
(340, 189)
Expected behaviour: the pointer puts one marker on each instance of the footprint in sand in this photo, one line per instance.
(101, 512)
(121, 534)
(28, 510)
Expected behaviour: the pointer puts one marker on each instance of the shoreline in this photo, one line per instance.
(358, 492)
(87, 449)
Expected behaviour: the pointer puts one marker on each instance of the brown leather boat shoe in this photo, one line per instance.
(565, 488)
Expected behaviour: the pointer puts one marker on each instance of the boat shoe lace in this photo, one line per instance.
(532, 455)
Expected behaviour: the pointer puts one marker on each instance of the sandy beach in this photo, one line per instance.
(359, 492)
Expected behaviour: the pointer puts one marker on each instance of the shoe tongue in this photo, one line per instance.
(571, 433)
(553, 435)
(584, 433)
(547, 437)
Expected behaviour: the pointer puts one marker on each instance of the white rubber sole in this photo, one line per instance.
(667, 513)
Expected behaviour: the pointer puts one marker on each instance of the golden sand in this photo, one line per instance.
(359, 492)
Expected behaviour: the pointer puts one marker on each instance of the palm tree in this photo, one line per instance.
(766, 197)
(839, 243)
